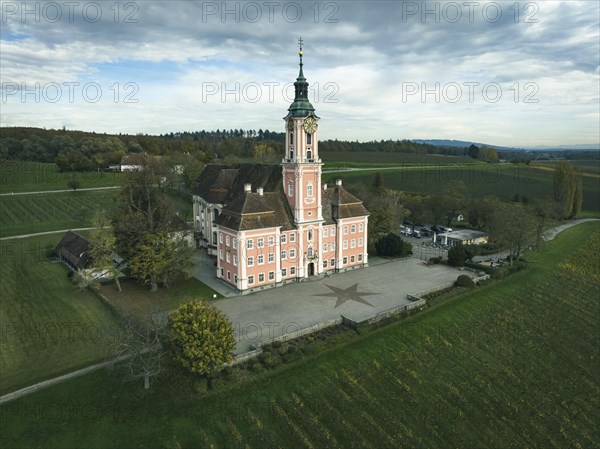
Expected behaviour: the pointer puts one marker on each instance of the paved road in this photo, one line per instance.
(57, 191)
(24, 236)
(552, 233)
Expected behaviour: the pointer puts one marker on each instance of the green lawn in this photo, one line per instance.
(512, 364)
(136, 300)
(21, 176)
(48, 325)
(480, 180)
(27, 214)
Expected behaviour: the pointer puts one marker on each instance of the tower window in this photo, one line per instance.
(308, 154)
(308, 139)
(290, 189)
(291, 138)
(309, 190)
(291, 153)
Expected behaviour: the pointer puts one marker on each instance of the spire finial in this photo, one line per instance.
(300, 42)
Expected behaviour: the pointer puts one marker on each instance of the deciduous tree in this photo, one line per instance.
(202, 337)
(102, 247)
(567, 190)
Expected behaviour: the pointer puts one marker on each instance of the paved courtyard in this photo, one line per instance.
(358, 295)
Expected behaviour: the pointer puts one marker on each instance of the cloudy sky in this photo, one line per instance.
(506, 73)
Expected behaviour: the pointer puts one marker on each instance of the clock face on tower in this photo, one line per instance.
(310, 125)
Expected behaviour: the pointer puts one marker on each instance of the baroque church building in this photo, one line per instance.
(269, 225)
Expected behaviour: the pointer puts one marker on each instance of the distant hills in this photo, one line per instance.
(464, 143)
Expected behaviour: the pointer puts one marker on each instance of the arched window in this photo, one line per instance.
(291, 138)
(308, 139)
(310, 236)
(291, 153)
(308, 154)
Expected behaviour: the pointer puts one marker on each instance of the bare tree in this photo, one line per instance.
(139, 349)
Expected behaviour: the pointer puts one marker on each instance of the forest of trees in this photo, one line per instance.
(86, 151)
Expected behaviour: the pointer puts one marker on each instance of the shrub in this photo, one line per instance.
(464, 281)
(457, 255)
(435, 260)
(284, 348)
(392, 245)
(269, 359)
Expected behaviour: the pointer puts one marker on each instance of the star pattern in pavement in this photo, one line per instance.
(348, 294)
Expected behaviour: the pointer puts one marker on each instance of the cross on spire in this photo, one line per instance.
(300, 41)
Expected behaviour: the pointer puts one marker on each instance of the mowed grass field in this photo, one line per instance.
(27, 214)
(503, 181)
(511, 364)
(22, 176)
(48, 326)
(371, 158)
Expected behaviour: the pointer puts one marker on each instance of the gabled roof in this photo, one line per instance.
(255, 211)
(76, 246)
(339, 203)
(222, 183)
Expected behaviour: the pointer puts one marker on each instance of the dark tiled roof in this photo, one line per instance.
(254, 211)
(339, 203)
(222, 184)
(76, 248)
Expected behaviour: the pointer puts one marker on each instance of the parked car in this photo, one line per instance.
(437, 229)
(416, 234)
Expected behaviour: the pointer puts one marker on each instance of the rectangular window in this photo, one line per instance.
(227, 257)
(235, 261)
(360, 257)
(250, 280)
(235, 243)
(283, 255)
(235, 279)
(250, 244)
(292, 270)
(215, 238)
(360, 243)
(260, 243)
(353, 229)
(250, 261)
(332, 263)
(229, 275)
(261, 259)
(325, 248)
(271, 275)
(345, 244)
(261, 277)
(227, 241)
(290, 185)
(271, 241)
(333, 232)
(325, 232)
(292, 253)
(222, 271)
(292, 238)
(220, 237)
(283, 238)
(325, 264)
(345, 230)
(308, 139)
(345, 261)
(352, 243)
(351, 259)
(360, 227)
(271, 257)
(221, 254)
(283, 272)
(309, 190)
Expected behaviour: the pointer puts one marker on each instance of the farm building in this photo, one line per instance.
(461, 236)
(73, 251)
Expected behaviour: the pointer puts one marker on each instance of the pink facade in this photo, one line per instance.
(302, 229)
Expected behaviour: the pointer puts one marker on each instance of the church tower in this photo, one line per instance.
(301, 164)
